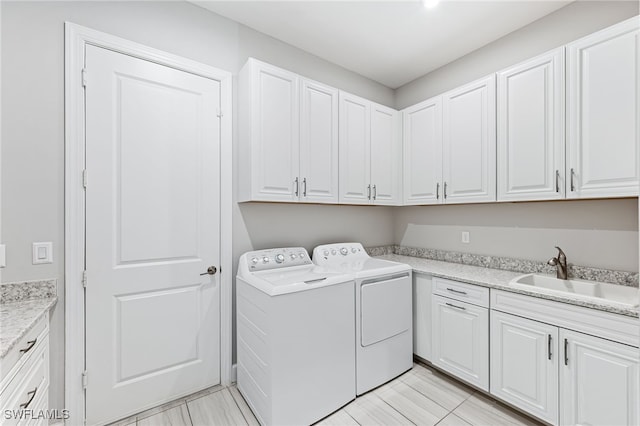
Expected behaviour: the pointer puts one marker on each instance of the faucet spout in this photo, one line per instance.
(560, 263)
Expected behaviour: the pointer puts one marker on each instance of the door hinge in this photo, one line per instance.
(84, 178)
(220, 114)
(84, 77)
(84, 379)
(84, 279)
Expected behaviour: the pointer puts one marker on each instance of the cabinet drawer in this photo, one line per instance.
(25, 347)
(28, 385)
(461, 291)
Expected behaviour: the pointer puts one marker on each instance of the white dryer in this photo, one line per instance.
(295, 333)
(383, 296)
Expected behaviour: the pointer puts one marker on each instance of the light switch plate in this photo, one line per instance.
(465, 237)
(3, 256)
(42, 253)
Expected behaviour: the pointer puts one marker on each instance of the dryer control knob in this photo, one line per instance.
(279, 258)
(293, 256)
(333, 252)
(344, 251)
(254, 260)
(353, 250)
(265, 259)
(326, 253)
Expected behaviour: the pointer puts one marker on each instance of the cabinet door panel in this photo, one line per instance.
(318, 143)
(385, 155)
(531, 129)
(469, 147)
(461, 340)
(524, 364)
(598, 382)
(422, 143)
(354, 149)
(422, 286)
(275, 133)
(603, 108)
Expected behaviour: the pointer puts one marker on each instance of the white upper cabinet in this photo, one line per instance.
(531, 129)
(370, 152)
(598, 381)
(422, 150)
(288, 137)
(603, 100)
(469, 142)
(318, 143)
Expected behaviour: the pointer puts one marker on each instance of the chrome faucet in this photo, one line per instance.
(560, 263)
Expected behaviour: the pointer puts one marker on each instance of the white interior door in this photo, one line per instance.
(152, 227)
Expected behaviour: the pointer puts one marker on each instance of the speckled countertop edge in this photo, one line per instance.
(17, 318)
(498, 279)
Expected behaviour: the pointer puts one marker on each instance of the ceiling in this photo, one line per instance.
(391, 42)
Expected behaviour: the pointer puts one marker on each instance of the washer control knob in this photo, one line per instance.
(326, 252)
(333, 252)
(254, 260)
(344, 251)
(301, 255)
(353, 250)
(265, 259)
(293, 256)
(279, 258)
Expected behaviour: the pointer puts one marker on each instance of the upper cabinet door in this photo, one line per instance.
(531, 129)
(318, 143)
(469, 146)
(603, 100)
(386, 154)
(422, 143)
(355, 138)
(271, 154)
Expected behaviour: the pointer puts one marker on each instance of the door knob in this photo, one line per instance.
(211, 270)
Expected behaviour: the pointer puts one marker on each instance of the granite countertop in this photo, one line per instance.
(499, 279)
(22, 305)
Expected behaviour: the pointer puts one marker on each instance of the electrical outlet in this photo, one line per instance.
(465, 237)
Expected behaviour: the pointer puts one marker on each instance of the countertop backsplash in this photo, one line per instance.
(524, 266)
(25, 290)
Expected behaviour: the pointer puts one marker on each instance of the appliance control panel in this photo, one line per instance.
(338, 252)
(262, 260)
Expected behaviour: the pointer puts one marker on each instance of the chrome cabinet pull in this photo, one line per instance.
(211, 270)
(557, 180)
(375, 192)
(304, 186)
(297, 186)
(33, 395)
(453, 290)
(549, 346)
(573, 186)
(31, 344)
(454, 306)
(445, 190)
(566, 352)
(369, 192)
(438, 191)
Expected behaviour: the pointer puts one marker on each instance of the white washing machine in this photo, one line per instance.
(295, 333)
(383, 294)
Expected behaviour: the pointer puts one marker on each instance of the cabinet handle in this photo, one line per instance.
(454, 306)
(295, 182)
(304, 186)
(573, 186)
(453, 290)
(566, 352)
(31, 344)
(369, 192)
(375, 192)
(445, 190)
(549, 346)
(33, 395)
(438, 191)
(557, 180)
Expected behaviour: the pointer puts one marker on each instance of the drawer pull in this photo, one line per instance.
(33, 395)
(549, 346)
(31, 344)
(454, 306)
(453, 290)
(566, 352)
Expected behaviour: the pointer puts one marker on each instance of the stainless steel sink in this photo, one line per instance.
(581, 289)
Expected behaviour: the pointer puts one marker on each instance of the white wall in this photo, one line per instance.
(554, 30)
(33, 131)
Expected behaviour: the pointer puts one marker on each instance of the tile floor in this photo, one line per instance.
(421, 396)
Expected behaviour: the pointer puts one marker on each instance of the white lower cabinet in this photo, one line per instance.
(461, 340)
(422, 286)
(524, 364)
(598, 381)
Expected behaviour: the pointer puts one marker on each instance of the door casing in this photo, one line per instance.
(76, 38)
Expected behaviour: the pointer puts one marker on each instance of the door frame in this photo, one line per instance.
(76, 39)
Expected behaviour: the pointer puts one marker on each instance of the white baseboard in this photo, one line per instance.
(234, 373)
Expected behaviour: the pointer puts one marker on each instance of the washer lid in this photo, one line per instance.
(289, 280)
